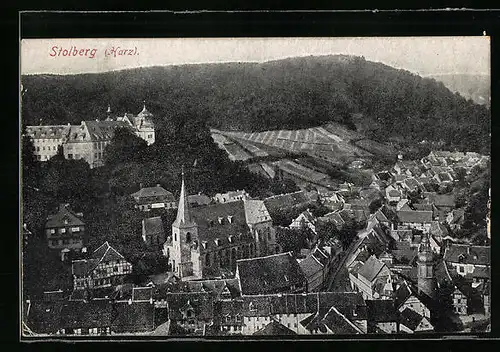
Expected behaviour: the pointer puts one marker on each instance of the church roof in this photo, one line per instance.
(183, 213)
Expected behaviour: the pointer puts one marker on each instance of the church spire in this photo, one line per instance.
(183, 215)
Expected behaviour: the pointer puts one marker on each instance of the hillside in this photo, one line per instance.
(470, 86)
(294, 93)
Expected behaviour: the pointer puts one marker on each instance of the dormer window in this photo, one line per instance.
(251, 307)
(204, 244)
(286, 278)
(230, 219)
(231, 239)
(221, 220)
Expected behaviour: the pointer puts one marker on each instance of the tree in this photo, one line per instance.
(125, 146)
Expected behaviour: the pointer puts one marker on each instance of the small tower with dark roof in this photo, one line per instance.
(425, 265)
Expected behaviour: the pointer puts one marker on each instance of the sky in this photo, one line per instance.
(421, 55)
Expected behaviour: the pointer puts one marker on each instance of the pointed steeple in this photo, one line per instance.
(183, 215)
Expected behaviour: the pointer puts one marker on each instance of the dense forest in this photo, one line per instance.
(383, 102)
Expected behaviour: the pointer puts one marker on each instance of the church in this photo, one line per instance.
(207, 240)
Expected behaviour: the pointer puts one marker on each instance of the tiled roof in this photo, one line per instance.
(269, 274)
(286, 201)
(310, 266)
(135, 317)
(476, 255)
(410, 319)
(83, 267)
(64, 217)
(214, 287)
(201, 302)
(48, 132)
(441, 200)
(381, 311)
(409, 216)
(371, 268)
(338, 323)
(104, 130)
(156, 191)
(153, 225)
(256, 211)
(275, 329)
(479, 273)
(91, 314)
(438, 229)
(106, 253)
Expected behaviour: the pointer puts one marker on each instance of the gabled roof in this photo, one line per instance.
(103, 130)
(269, 274)
(371, 268)
(104, 253)
(414, 216)
(275, 329)
(256, 211)
(338, 323)
(467, 254)
(410, 319)
(441, 200)
(286, 201)
(152, 225)
(64, 217)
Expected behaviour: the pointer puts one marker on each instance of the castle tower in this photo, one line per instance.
(425, 264)
(184, 239)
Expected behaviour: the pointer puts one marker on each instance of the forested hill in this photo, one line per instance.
(284, 94)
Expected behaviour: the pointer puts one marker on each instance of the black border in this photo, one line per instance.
(276, 24)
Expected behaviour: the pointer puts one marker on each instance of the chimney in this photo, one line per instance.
(158, 185)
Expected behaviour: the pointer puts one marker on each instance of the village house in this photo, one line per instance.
(412, 322)
(148, 198)
(364, 276)
(455, 219)
(288, 202)
(189, 313)
(315, 266)
(153, 233)
(418, 220)
(466, 260)
(304, 314)
(65, 230)
(382, 316)
(305, 220)
(231, 196)
(105, 267)
(271, 274)
(392, 194)
(408, 298)
(207, 240)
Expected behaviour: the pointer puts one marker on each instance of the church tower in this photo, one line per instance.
(184, 239)
(425, 264)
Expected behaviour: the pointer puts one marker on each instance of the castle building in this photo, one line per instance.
(47, 139)
(207, 240)
(88, 140)
(425, 268)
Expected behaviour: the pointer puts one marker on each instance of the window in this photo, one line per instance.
(52, 231)
(95, 155)
(38, 157)
(175, 236)
(77, 156)
(43, 148)
(188, 237)
(62, 230)
(75, 229)
(37, 149)
(70, 156)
